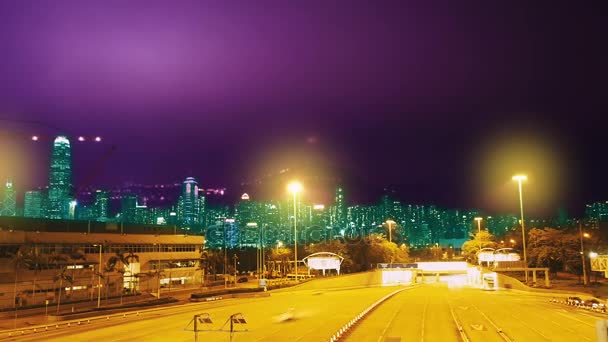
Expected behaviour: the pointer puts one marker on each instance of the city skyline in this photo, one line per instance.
(61, 197)
(446, 113)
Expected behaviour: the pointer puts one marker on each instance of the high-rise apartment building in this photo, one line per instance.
(338, 217)
(60, 179)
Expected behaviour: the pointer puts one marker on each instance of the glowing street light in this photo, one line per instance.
(81, 138)
(35, 138)
(295, 187)
(582, 235)
(97, 139)
(520, 179)
(478, 219)
(390, 229)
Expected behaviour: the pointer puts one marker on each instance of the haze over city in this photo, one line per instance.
(414, 97)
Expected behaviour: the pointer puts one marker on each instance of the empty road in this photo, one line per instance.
(315, 311)
(434, 313)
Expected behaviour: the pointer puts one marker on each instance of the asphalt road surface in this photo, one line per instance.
(299, 315)
(433, 313)
(429, 312)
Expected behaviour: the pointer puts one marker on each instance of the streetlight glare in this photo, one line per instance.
(520, 178)
(81, 138)
(294, 187)
(97, 139)
(35, 138)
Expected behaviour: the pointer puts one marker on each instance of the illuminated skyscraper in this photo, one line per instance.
(128, 205)
(189, 202)
(102, 205)
(33, 204)
(8, 207)
(60, 179)
(339, 209)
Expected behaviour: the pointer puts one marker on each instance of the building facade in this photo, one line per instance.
(77, 254)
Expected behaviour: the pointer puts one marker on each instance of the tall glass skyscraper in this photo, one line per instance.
(60, 179)
(189, 212)
(102, 205)
(33, 204)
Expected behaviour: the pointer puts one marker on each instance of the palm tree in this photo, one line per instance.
(120, 262)
(110, 266)
(36, 262)
(55, 261)
(62, 276)
(18, 259)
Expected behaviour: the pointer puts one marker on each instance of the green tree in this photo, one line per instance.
(482, 239)
(282, 256)
(554, 248)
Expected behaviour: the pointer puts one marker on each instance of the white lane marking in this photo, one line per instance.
(499, 330)
(531, 328)
(423, 319)
(390, 322)
(576, 319)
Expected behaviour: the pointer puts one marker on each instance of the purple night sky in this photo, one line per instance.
(417, 96)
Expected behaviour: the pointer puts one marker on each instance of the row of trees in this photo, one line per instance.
(557, 249)
(359, 255)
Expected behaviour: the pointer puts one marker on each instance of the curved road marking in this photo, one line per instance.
(423, 319)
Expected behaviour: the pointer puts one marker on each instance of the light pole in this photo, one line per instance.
(390, 230)
(580, 228)
(294, 188)
(99, 278)
(478, 219)
(520, 179)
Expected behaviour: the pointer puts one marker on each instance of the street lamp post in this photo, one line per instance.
(520, 179)
(580, 228)
(390, 230)
(294, 188)
(478, 219)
